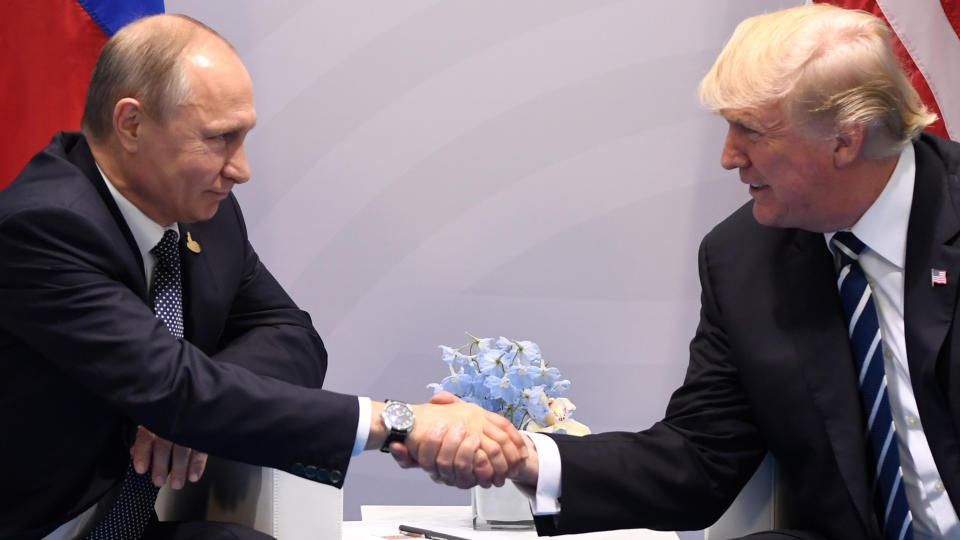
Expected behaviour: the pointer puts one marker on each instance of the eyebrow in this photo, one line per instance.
(230, 127)
(745, 123)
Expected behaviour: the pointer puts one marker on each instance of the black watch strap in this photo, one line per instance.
(393, 435)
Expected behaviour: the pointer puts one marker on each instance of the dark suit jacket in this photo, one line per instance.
(84, 359)
(771, 370)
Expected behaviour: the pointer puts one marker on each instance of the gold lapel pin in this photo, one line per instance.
(192, 244)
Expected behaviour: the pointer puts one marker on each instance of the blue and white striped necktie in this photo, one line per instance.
(890, 498)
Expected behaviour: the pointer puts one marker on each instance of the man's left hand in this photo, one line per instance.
(179, 462)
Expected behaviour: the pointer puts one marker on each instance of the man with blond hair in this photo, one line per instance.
(829, 311)
(130, 295)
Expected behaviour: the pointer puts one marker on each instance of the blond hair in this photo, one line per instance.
(142, 61)
(829, 68)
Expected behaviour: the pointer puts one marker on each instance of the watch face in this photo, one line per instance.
(397, 415)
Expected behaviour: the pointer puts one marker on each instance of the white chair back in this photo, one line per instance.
(755, 508)
(277, 503)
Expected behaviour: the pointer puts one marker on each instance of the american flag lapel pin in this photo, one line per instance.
(938, 277)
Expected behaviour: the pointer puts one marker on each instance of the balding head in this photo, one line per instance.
(144, 61)
(169, 107)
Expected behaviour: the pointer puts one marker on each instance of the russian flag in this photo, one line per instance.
(49, 48)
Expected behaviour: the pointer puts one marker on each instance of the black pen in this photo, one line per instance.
(430, 534)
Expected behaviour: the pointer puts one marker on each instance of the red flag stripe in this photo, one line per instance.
(951, 9)
(910, 38)
(49, 50)
(929, 36)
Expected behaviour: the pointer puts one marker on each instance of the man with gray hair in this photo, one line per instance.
(829, 311)
(130, 296)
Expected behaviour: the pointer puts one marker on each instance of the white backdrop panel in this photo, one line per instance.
(535, 169)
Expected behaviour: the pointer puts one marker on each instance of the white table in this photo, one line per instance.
(381, 522)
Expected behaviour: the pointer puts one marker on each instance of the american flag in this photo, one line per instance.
(925, 36)
(938, 277)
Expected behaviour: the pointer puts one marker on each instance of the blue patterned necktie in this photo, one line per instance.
(133, 509)
(890, 498)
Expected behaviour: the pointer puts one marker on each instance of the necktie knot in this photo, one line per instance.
(166, 250)
(848, 246)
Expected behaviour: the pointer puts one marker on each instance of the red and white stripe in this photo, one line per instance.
(926, 40)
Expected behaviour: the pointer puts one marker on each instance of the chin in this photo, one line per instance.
(767, 219)
(201, 215)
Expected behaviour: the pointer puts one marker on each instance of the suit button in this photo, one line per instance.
(336, 476)
(322, 476)
(939, 487)
(310, 471)
(297, 469)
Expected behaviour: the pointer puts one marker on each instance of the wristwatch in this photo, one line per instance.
(398, 418)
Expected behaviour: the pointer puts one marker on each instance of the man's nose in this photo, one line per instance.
(236, 168)
(732, 157)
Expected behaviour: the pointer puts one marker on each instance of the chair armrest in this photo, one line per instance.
(754, 509)
(271, 501)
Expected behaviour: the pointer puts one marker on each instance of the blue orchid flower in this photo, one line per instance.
(523, 376)
(502, 389)
(558, 388)
(459, 384)
(548, 376)
(536, 403)
(504, 376)
(529, 353)
(490, 362)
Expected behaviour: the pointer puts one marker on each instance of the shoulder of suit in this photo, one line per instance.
(946, 150)
(51, 177)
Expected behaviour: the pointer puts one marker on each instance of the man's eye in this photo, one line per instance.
(750, 133)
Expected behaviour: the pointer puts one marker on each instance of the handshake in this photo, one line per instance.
(460, 444)
(455, 442)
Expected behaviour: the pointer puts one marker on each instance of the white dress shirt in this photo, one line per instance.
(883, 228)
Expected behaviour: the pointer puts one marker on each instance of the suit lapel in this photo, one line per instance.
(931, 244)
(81, 156)
(819, 335)
(928, 309)
(200, 291)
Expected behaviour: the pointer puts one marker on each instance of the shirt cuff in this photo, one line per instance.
(547, 500)
(363, 426)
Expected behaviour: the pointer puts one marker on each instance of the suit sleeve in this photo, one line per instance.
(265, 331)
(684, 471)
(64, 294)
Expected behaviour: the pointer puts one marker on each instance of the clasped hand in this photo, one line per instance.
(462, 445)
(166, 459)
(456, 443)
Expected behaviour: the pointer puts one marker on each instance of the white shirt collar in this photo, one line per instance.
(883, 227)
(146, 232)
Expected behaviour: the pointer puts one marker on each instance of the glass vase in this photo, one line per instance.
(500, 508)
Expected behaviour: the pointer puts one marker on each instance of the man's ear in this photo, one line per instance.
(128, 117)
(848, 144)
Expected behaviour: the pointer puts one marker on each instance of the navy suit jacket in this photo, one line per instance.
(84, 360)
(771, 370)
